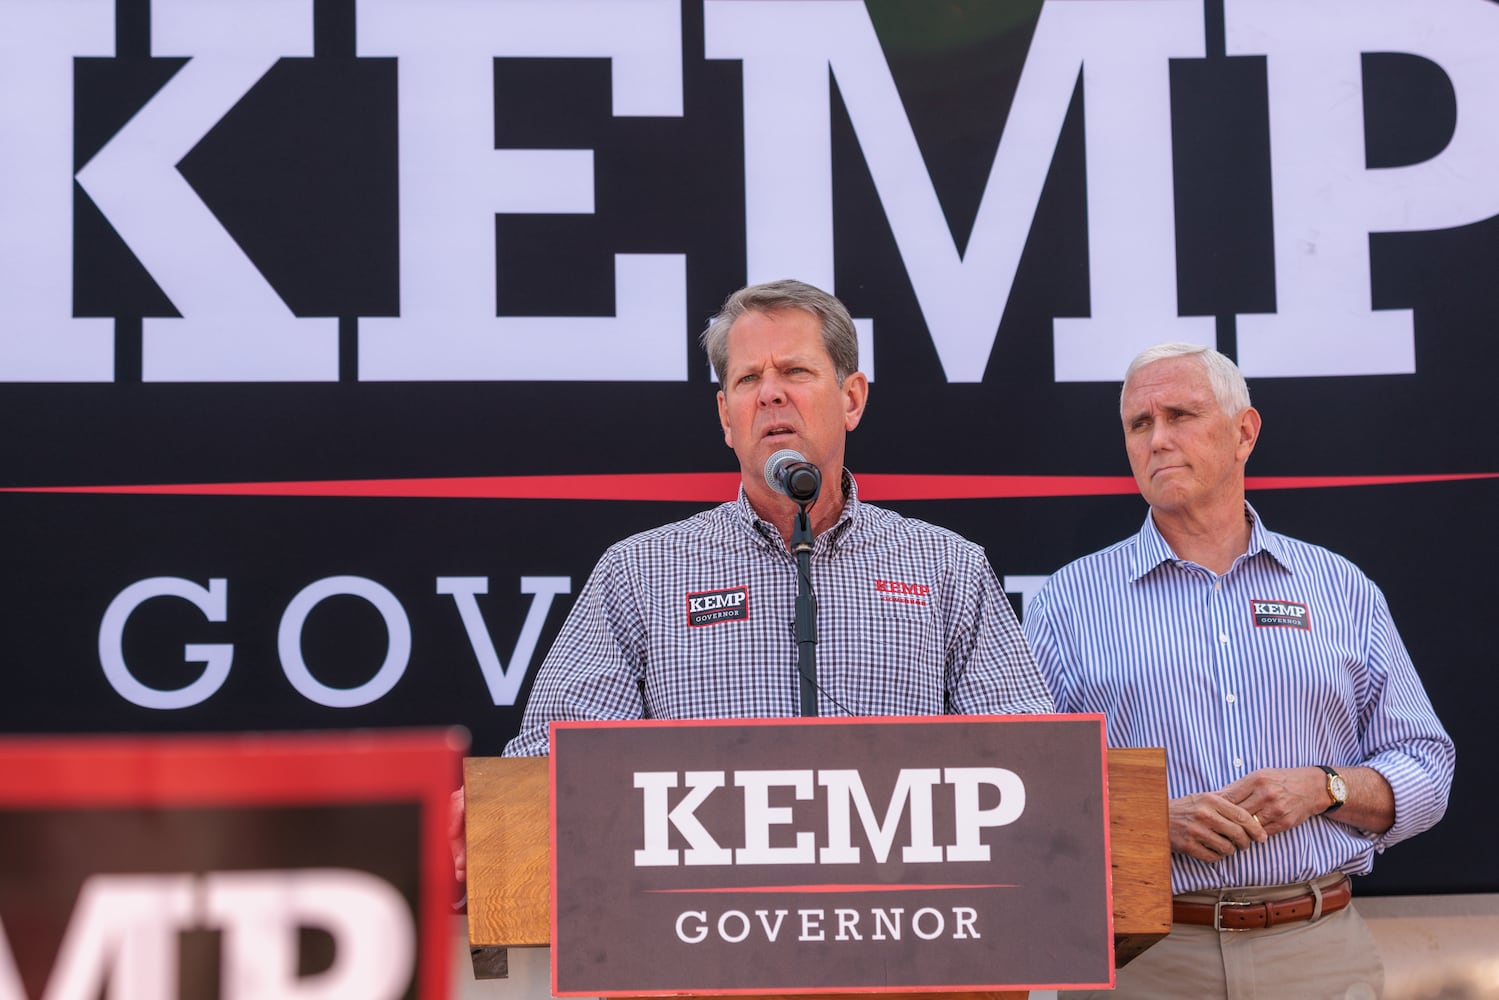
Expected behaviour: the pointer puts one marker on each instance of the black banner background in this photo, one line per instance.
(303, 174)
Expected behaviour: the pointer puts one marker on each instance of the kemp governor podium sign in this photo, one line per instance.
(803, 855)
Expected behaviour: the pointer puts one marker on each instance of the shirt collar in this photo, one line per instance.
(746, 513)
(1151, 550)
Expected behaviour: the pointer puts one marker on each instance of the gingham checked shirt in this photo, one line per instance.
(695, 620)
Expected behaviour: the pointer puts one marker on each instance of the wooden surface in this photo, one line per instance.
(1139, 850)
(508, 823)
(509, 854)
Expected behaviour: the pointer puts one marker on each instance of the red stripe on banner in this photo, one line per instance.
(713, 486)
(695, 486)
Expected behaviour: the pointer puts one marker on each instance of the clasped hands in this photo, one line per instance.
(1211, 826)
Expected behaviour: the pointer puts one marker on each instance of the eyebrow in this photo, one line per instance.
(794, 361)
(1167, 408)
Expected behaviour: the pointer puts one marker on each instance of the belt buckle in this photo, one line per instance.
(1218, 917)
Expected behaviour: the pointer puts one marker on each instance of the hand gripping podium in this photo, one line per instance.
(509, 811)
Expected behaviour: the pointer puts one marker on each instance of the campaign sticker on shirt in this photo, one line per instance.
(713, 606)
(1280, 614)
(902, 592)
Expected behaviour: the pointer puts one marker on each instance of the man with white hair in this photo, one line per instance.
(1299, 739)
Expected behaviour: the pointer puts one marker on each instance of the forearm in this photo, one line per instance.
(1371, 801)
(1419, 775)
(1276, 799)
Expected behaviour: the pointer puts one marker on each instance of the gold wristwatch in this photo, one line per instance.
(1337, 788)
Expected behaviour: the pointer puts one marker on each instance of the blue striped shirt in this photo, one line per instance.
(696, 620)
(1289, 659)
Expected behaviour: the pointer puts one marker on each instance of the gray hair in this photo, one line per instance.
(1227, 382)
(838, 334)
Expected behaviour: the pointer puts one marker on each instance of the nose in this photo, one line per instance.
(771, 391)
(1160, 435)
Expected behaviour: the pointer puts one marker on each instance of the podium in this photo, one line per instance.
(509, 858)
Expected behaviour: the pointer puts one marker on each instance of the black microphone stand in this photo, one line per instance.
(806, 609)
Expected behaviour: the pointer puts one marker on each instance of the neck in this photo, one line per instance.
(781, 511)
(1213, 539)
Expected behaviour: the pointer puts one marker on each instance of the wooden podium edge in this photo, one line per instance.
(509, 857)
(1139, 850)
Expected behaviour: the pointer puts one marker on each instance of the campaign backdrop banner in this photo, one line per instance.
(830, 855)
(292, 865)
(338, 338)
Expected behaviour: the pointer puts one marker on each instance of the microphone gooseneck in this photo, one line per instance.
(790, 474)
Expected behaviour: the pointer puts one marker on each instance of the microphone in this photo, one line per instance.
(790, 474)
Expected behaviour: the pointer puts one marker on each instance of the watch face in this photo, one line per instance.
(1339, 788)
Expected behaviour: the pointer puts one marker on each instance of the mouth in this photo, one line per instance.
(777, 431)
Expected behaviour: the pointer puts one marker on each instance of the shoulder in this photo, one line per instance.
(882, 522)
(887, 529)
(690, 531)
(1088, 588)
(1112, 563)
(1307, 557)
(1324, 571)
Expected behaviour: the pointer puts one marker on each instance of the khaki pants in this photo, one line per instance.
(1334, 957)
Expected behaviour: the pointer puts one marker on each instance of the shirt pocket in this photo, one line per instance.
(889, 661)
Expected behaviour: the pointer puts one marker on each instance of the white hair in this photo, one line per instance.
(1227, 382)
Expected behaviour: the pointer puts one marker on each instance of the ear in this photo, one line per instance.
(723, 420)
(1249, 432)
(855, 396)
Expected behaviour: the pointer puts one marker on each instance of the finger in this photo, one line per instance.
(1207, 849)
(1239, 792)
(1202, 853)
(1246, 817)
(1235, 831)
(455, 814)
(457, 841)
(1252, 822)
(1220, 847)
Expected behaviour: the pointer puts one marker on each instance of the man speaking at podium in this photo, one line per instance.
(1299, 740)
(696, 619)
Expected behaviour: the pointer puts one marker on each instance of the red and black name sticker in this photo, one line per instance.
(1280, 614)
(713, 606)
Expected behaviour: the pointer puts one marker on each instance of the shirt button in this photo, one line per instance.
(1217, 584)
(1232, 698)
(1238, 762)
(1223, 637)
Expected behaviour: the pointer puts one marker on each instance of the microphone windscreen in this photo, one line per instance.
(775, 467)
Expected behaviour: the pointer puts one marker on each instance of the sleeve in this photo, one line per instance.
(1047, 636)
(989, 666)
(596, 666)
(1400, 735)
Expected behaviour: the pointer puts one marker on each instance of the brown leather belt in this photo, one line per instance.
(1253, 915)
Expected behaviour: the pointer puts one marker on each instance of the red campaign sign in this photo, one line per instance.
(187, 866)
(830, 855)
